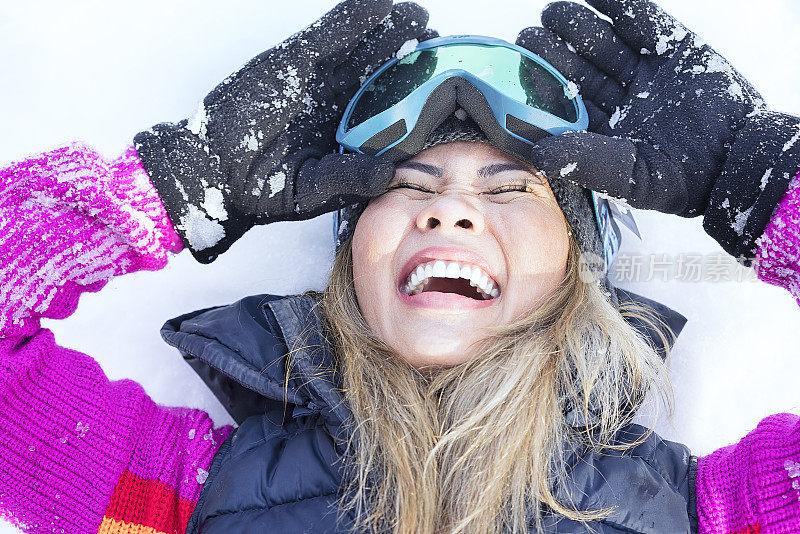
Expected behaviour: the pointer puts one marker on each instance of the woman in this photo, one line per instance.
(280, 469)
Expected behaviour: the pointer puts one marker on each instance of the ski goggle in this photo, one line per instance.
(525, 96)
(528, 97)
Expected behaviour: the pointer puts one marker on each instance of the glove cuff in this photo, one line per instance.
(765, 155)
(187, 176)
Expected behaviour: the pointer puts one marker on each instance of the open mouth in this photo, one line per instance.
(451, 277)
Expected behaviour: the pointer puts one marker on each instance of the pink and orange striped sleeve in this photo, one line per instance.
(80, 453)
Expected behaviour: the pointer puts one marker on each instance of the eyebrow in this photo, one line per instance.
(495, 168)
(433, 170)
(483, 172)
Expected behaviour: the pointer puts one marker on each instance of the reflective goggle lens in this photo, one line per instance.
(515, 75)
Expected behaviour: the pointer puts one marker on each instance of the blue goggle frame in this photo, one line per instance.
(410, 107)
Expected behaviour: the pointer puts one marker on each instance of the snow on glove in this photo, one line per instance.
(673, 126)
(259, 148)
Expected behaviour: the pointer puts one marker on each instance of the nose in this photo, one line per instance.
(451, 213)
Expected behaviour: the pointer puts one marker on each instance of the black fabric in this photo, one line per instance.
(669, 318)
(443, 101)
(455, 129)
(524, 129)
(337, 180)
(281, 469)
(222, 453)
(261, 134)
(387, 136)
(673, 126)
(648, 483)
(761, 163)
(692, 505)
(239, 401)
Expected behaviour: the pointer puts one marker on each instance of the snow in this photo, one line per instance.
(662, 44)
(740, 219)
(735, 89)
(202, 476)
(213, 204)
(407, 48)
(276, 183)
(612, 122)
(201, 231)
(199, 121)
(292, 89)
(250, 142)
(716, 63)
(790, 143)
(81, 429)
(765, 178)
(792, 468)
(665, 40)
(618, 115)
(621, 203)
(572, 90)
(567, 169)
(86, 76)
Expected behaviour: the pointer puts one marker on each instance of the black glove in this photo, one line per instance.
(260, 147)
(673, 126)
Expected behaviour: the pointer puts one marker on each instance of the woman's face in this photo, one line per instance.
(465, 239)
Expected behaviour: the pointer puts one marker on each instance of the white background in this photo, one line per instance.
(100, 71)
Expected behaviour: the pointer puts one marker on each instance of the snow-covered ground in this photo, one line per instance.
(102, 71)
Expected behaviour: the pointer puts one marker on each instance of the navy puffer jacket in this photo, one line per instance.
(278, 472)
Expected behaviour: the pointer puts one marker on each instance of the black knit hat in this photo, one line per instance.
(575, 201)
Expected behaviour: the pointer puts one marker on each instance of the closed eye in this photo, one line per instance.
(509, 188)
(515, 186)
(409, 185)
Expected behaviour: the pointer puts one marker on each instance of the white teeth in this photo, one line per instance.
(453, 270)
(484, 281)
(477, 277)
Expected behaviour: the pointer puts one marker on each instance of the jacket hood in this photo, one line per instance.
(240, 352)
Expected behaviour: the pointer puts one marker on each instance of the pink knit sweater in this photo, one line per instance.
(78, 453)
(81, 454)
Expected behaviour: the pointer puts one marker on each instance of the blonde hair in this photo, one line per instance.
(480, 447)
